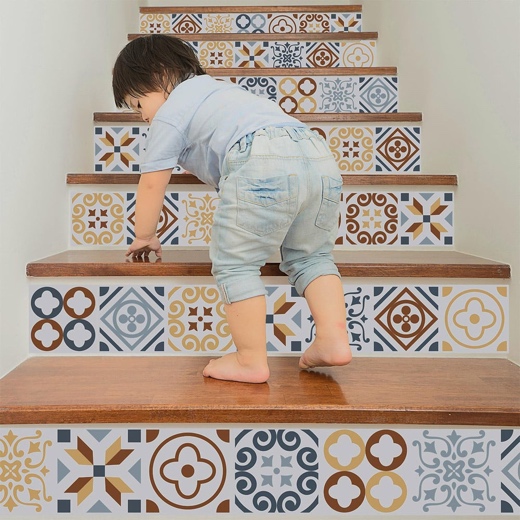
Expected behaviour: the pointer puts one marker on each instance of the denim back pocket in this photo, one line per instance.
(330, 196)
(266, 205)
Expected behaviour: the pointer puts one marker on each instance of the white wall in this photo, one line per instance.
(56, 58)
(459, 63)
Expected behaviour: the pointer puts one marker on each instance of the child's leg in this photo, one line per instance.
(246, 319)
(327, 305)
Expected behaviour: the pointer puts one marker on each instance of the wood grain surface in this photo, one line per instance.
(171, 389)
(351, 264)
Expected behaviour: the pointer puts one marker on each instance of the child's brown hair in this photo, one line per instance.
(151, 64)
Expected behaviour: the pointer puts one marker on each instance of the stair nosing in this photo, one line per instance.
(352, 179)
(196, 263)
(227, 37)
(321, 117)
(252, 9)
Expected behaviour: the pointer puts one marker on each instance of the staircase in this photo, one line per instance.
(111, 414)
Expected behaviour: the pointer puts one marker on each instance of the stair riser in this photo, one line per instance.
(361, 148)
(401, 219)
(260, 54)
(213, 470)
(280, 23)
(185, 316)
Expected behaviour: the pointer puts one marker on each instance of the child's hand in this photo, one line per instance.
(140, 246)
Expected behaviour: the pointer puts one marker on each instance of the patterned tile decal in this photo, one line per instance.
(117, 149)
(197, 320)
(185, 24)
(406, 319)
(366, 219)
(190, 319)
(475, 319)
(282, 23)
(289, 54)
(377, 149)
(329, 94)
(131, 319)
(319, 470)
(216, 54)
(63, 318)
(197, 210)
(426, 219)
(27, 471)
(510, 456)
(468, 465)
(168, 226)
(97, 219)
(289, 324)
(157, 24)
(370, 219)
(276, 471)
(406, 219)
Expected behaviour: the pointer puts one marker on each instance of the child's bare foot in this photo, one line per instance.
(231, 367)
(327, 353)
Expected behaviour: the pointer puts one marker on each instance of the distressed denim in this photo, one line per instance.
(280, 190)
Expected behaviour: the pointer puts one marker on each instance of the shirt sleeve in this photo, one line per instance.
(163, 147)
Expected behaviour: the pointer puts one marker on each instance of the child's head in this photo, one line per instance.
(155, 63)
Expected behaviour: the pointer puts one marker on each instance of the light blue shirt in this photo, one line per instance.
(201, 120)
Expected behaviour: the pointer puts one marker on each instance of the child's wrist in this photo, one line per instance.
(145, 238)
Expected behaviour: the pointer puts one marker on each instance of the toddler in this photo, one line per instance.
(279, 189)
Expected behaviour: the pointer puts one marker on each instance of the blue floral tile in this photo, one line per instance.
(378, 94)
(359, 302)
(510, 457)
(287, 54)
(456, 472)
(276, 471)
(339, 95)
(250, 23)
(262, 86)
(132, 319)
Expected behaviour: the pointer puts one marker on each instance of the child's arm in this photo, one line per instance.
(150, 198)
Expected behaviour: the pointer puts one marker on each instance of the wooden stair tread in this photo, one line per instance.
(352, 179)
(330, 36)
(321, 117)
(425, 264)
(117, 389)
(253, 9)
